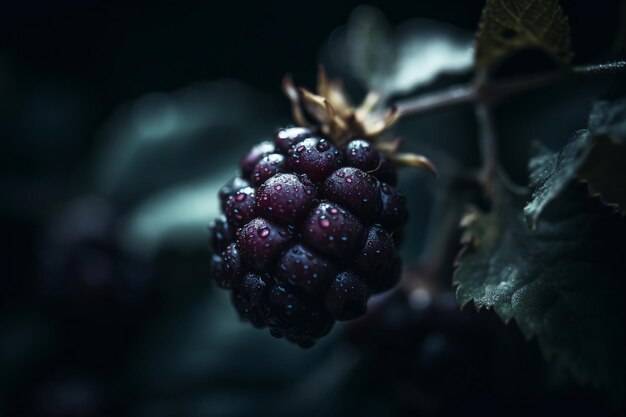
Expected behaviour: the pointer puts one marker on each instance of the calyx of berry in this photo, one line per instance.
(331, 113)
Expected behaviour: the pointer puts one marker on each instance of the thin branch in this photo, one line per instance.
(488, 146)
(458, 94)
(496, 90)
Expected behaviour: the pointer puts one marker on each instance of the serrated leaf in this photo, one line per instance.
(604, 169)
(562, 284)
(508, 26)
(596, 155)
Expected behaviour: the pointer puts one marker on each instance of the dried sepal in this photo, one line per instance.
(415, 161)
(331, 113)
(291, 92)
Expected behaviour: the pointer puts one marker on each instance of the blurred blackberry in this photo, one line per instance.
(82, 264)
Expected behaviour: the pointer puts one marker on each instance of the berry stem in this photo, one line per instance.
(497, 90)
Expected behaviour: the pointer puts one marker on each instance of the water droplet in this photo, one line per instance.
(278, 187)
(324, 222)
(264, 231)
(240, 197)
(344, 238)
(349, 179)
(323, 145)
(300, 149)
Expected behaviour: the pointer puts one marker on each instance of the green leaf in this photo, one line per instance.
(509, 26)
(596, 155)
(563, 284)
(604, 169)
(396, 60)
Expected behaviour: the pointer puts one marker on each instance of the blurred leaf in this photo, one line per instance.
(596, 155)
(507, 27)
(563, 283)
(178, 215)
(398, 61)
(163, 139)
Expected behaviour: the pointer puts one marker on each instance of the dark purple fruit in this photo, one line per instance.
(333, 230)
(288, 136)
(261, 242)
(314, 157)
(377, 252)
(241, 207)
(258, 151)
(250, 299)
(361, 154)
(220, 234)
(347, 297)
(285, 198)
(228, 267)
(355, 190)
(267, 167)
(311, 236)
(315, 323)
(305, 270)
(393, 212)
(285, 310)
(231, 188)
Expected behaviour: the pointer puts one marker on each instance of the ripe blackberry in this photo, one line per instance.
(309, 226)
(316, 157)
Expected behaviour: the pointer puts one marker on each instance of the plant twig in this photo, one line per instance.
(488, 146)
(496, 90)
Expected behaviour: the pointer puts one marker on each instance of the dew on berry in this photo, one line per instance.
(268, 166)
(304, 269)
(241, 207)
(347, 296)
(288, 136)
(261, 243)
(258, 151)
(361, 154)
(315, 157)
(355, 190)
(231, 188)
(376, 253)
(328, 238)
(284, 198)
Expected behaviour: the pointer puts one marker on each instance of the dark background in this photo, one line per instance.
(65, 67)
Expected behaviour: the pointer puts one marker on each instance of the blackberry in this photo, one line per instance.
(355, 190)
(267, 167)
(309, 226)
(361, 154)
(315, 157)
